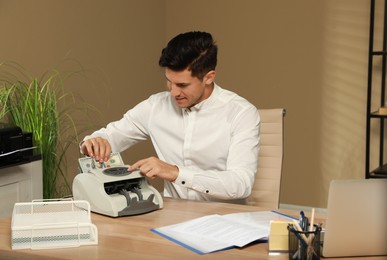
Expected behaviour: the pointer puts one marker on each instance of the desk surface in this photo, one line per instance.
(131, 238)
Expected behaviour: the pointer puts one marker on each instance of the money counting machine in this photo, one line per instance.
(116, 192)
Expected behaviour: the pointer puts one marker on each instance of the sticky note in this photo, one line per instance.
(278, 236)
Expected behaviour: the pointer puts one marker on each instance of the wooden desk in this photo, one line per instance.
(131, 238)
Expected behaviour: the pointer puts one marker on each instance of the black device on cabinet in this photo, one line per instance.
(16, 146)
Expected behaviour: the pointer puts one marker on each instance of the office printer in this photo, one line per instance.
(113, 191)
(16, 146)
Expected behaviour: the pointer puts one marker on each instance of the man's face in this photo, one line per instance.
(187, 90)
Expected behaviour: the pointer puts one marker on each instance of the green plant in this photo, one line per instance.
(43, 107)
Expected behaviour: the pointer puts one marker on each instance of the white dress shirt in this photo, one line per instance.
(214, 144)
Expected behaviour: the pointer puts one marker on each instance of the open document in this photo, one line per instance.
(219, 232)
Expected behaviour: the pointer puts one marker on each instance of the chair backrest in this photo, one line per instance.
(266, 190)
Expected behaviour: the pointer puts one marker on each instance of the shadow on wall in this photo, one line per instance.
(345, 62)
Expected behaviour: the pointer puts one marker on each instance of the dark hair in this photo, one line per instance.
(195, 51)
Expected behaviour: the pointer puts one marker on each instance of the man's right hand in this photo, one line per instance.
(97, 147)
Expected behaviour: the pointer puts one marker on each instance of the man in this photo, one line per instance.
(206, 138)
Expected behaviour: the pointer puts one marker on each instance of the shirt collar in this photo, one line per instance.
(208, 101)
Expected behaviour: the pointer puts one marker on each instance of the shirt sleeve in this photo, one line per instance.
(127, 131)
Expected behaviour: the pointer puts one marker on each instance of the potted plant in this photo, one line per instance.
(43, 107)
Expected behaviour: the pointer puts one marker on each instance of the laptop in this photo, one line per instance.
(356, 223)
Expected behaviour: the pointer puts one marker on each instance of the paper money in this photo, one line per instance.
(87, 164)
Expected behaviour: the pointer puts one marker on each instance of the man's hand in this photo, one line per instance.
(97, 147)
(152, 167)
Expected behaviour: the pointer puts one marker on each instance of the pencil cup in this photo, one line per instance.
(304, 245)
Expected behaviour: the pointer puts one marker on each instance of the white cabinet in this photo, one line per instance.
(20, 183)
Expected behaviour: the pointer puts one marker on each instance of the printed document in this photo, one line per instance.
(219, 232)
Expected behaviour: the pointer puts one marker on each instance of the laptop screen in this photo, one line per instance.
(356, 223)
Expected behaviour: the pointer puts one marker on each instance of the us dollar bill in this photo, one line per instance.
(87, 164)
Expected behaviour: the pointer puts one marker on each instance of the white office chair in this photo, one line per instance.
(266, 190)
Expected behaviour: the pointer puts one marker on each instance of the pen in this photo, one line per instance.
(311, 220)
(303, 221)
(311, 227)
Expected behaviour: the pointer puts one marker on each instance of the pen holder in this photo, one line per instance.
(304, 245)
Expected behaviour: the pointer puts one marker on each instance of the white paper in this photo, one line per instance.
(217, 232)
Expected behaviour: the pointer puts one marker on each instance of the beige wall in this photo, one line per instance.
(116, 42)
(309, 57)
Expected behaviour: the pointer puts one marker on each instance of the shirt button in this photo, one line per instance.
(183, 182)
